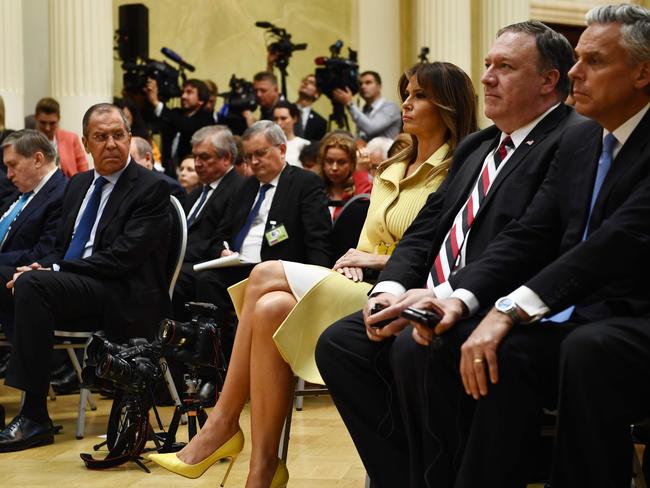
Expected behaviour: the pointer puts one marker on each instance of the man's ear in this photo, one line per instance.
(84, 141)
(642, 81)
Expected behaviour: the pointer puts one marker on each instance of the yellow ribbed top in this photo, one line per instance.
(397, 199)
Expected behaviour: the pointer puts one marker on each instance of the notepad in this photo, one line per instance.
(224, 262)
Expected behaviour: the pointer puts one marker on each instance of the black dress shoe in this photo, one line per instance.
(23, 433)
(2, 417)
(69, 383)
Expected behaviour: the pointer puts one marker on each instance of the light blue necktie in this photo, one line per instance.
(243, 232)
(194, 215)
(604, 164)
(5, 223)
(82, 233)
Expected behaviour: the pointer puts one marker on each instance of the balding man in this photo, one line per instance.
(142, 153)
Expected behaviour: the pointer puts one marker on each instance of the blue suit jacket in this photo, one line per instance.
(33, 233)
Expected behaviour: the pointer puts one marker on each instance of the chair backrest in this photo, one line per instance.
(347, 226)
(178, 242)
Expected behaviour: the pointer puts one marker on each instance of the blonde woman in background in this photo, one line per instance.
(283, 307)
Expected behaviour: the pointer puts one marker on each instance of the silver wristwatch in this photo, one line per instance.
(508, 306)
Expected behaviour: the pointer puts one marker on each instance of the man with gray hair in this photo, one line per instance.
(142, 153)
(571, 328)
(281, 214)
(28, 225)
(214, 150)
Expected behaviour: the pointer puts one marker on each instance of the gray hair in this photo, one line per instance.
(635, 27)
(221, 139)
(142, 146)
(28, 142)
(102, 108)
(380, 145)
(274, 134)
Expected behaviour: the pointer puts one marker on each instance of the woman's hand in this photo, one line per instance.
(359, 259)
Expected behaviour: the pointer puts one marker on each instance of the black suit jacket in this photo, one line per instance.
(315, 128)
(508, 198)
(33, 234)
(175, 187)
(175, 120)
(201, 235)
(300, 203)
(606, 275)
(129, 251)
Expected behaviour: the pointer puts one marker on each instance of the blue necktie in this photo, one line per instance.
(82, 233)
(5, 223)
(604, 164)
(197, 209)
(243, 232)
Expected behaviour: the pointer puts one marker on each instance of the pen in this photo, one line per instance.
(226, 246)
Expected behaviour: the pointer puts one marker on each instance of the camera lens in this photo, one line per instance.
(115, 369)
(175, 333)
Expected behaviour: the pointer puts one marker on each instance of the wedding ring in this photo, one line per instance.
(478, 360)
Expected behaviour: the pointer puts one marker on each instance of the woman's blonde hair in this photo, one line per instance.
(342, 140)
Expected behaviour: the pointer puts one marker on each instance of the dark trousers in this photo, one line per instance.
(6, 300)
(45, 301)
(358, 375)
(604, 387)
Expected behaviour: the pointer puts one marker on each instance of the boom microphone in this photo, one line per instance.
(176, 57)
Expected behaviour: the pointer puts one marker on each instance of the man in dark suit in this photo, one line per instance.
(311, 125)
(178, 124)
(28, 224)
(578, 257)
(215, 151)
(282, 214)
(106, 271)
(494, 176)
(142, 153)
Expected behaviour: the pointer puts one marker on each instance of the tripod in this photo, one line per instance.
(192, 405)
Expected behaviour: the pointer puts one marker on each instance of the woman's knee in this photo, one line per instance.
(272, 308)
(265, 272)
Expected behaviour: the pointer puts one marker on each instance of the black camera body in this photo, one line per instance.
(136, 74)
(337, 72)
(131, 367)
(240, 97)
(282, 46)
(195, 342)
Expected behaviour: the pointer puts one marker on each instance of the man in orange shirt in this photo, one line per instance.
(70, 155)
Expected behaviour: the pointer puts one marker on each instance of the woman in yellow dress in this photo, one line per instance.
(283, 306)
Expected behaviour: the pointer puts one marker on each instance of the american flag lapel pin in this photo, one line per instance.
(530, 143)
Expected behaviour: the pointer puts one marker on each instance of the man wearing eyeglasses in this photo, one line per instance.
(106, 270)
(214, 150)
(281, 214)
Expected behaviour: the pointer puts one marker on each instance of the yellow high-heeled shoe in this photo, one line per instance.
(230, 449)
(281, 476)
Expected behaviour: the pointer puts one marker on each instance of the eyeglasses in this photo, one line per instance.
(259, 154)
(102, 137)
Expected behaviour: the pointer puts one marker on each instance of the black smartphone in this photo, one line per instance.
(376, 308)
(427, 318)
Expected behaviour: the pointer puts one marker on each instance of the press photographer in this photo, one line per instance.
(379, 117)
(178, 124)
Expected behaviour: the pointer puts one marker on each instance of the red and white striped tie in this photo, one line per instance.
(448, 256)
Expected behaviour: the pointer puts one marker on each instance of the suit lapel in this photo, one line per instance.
(125, 183)
(627, 157)
(532, 140)
(281, 193)
(36, 202)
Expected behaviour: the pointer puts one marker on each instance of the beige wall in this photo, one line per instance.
(219, 37)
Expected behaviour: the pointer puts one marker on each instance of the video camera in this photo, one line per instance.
(337, 72)
(167, 76)
(195, 342)
(282, 46)
(240, 97)
(132, 367)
